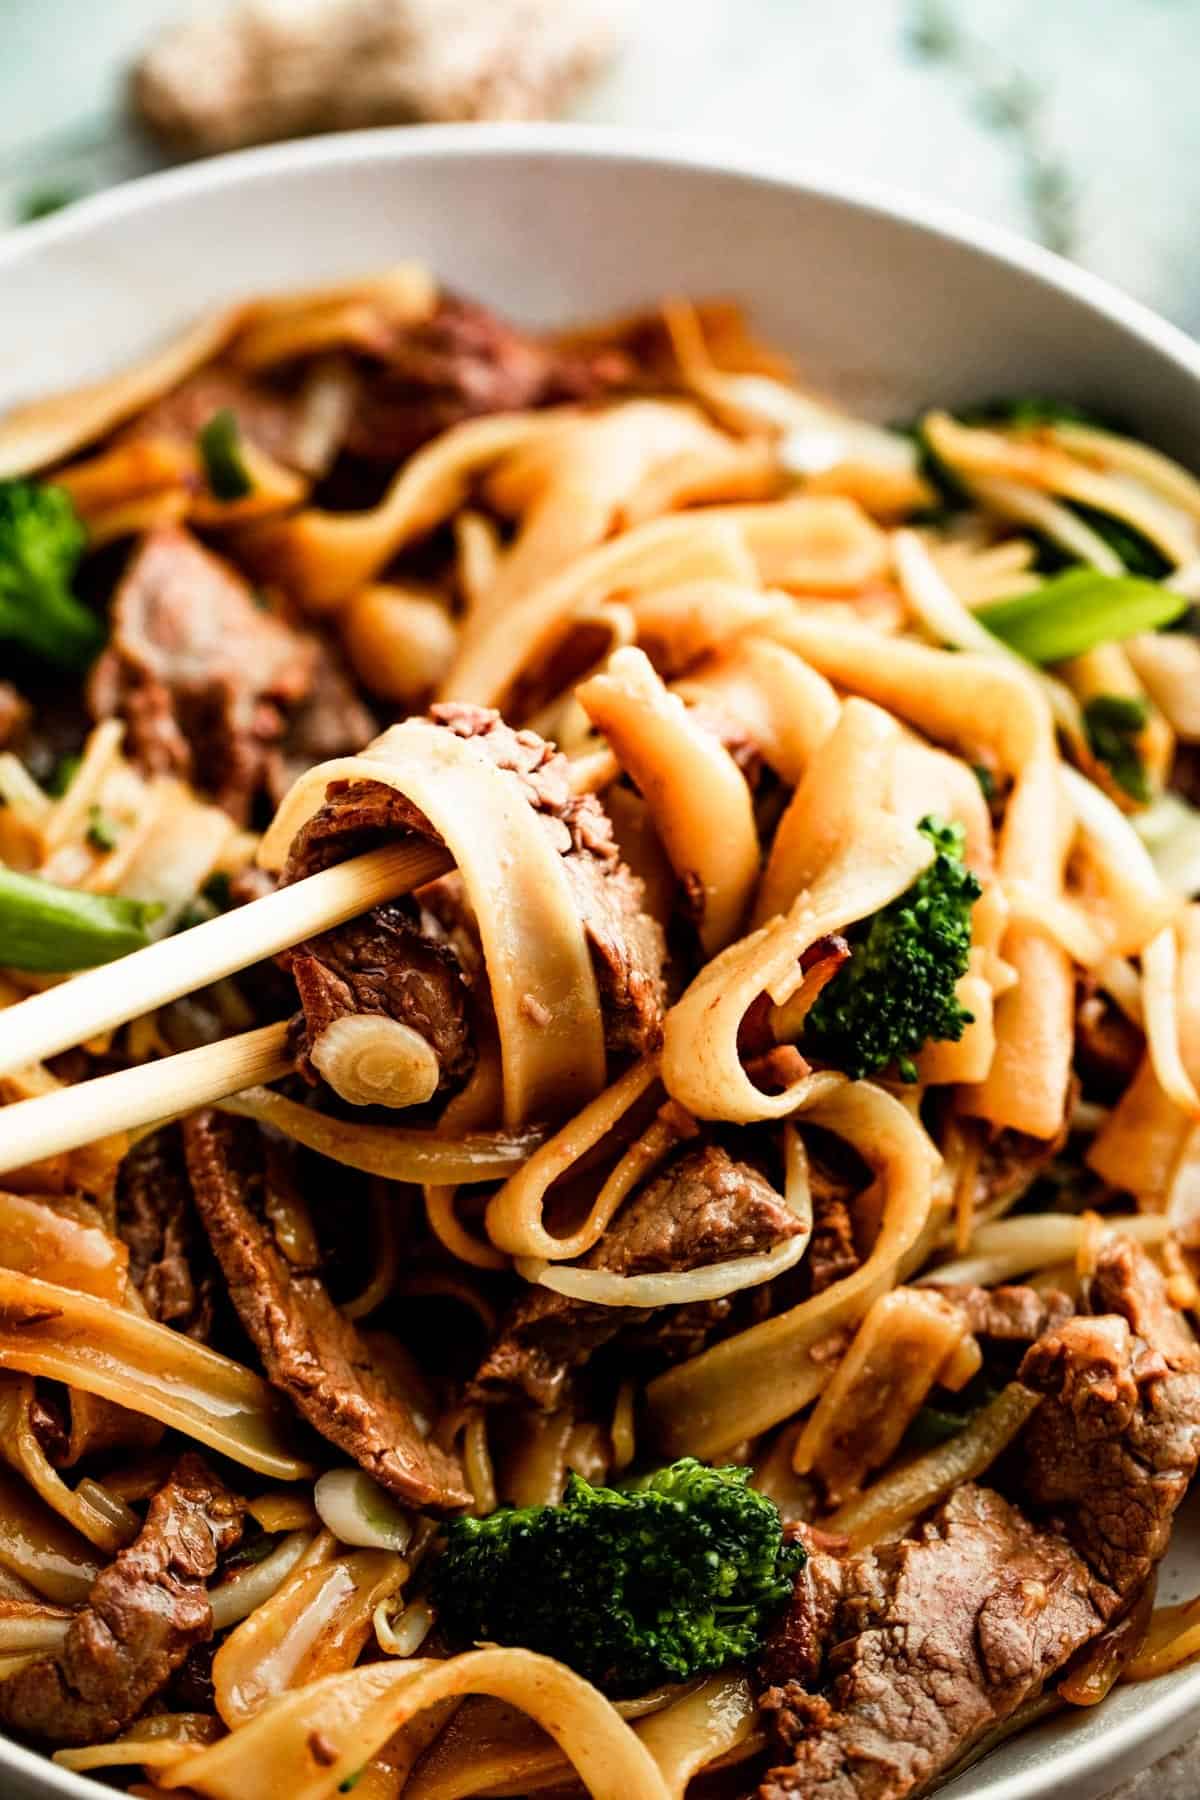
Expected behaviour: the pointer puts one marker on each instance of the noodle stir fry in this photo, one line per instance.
(599, 1059)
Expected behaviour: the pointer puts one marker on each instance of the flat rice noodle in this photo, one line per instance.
(976, 703)
(787, 709)
(701, 1064)
(515, 883)
(325, 558)
(695, 793)
(752, 1381)
(349, 1717)
(52, 1331)
(498, 649)
(514, 1219)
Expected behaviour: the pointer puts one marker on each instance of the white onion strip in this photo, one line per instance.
(236, 1598)
(1015, 1246)
(680, 1287)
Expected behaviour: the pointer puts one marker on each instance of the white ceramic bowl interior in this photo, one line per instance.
(886, 303)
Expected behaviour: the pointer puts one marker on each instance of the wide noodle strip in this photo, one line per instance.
(53, 1331)
(706, 823)
(533, 941)
(786, 708)
(975, 703)
(516, 1212)
(347, 1718)
(324, 558)
(755, 1379)
(701, 1063)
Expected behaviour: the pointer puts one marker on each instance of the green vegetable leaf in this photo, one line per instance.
(220, 446)
(40, 202)
(54, 929)
(1077, 610)
(101, 832)
(1113, 723)
(63, 774)
(676, 1575)
(897, 992)
(41, 542)
(986, 780)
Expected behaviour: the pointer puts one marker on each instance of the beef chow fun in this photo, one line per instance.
(599, 1059)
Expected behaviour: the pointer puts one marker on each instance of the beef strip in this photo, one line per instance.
(170, 1263)
(309, 1349)
(144, 1613)
(266, 417)
(704, 1208)
(893, 1662)
(464, 362)
(15, 714)
(832, 1254)
(201, 675)
(1110, 1452)
(1007, 1315)
(625, 942)
(1108, 1046)
(390, 962)
(331, 720)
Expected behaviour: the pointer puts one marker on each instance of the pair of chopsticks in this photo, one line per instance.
(103, 998)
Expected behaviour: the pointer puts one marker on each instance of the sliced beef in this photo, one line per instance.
(1008, 1315)
(14, 716)
(331, 720)
(390, 962)
(626, 943)
(201, 675)
(461, 363)
(891, 1663)
(266, 417)
(832, 1254)
(170, 1262)
(1108, 1046)
(704, 1209)
(144, 1613)
(1110, 1452)
(308, 1348)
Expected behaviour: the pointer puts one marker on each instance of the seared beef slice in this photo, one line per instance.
(704, 1209)
(308, 1348)
(143, 1615)
(916, 1649)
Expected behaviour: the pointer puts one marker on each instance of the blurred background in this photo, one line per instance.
(1073, 121)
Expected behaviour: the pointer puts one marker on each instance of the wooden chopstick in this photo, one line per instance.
(109, 996)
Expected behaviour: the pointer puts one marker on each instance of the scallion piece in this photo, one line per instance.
(1077, 610)
(220, 446)
(54, 929)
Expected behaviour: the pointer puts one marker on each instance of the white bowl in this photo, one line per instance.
(888, 302)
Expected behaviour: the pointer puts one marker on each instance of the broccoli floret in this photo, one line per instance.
(897, 990)
(669, 1577)
(41, 542)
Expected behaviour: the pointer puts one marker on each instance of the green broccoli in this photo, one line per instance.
(897, 991)
(41, 542)
(671, 1576)
(1114, 723)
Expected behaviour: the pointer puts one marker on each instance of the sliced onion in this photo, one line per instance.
(358, 1511)
(404, 1635)
(679, 1287)
(400, 1154)
(1170, 829)
(1009, 1247)
(237, 1598)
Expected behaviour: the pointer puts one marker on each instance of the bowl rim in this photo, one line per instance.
(707, 154)
(1163, 1721)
